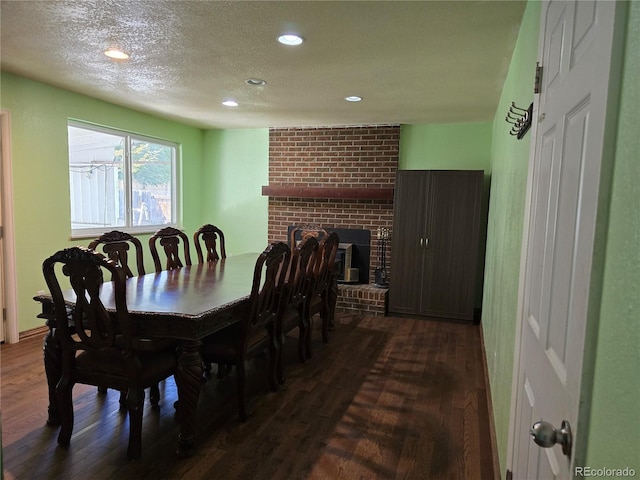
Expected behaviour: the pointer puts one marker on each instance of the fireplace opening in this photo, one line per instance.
(353, 254)
(347, 273)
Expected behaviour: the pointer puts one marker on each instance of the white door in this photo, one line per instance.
(2, 309)
(8, 290)
(575, 50)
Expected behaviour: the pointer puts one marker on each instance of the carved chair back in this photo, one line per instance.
(302, 231)
(170, 239)
(91, 327)
(301, 270)
(211, 236)
(325, 263)
(116, 245)
(296, 292)
(324, 289)
(266, 291)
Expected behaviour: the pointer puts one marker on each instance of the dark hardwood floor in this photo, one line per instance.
(387, 398)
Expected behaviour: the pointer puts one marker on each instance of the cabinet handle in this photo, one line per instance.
(426, 242)
(421, 242)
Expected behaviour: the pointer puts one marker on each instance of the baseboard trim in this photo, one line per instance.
(492, 423)
(34, 332)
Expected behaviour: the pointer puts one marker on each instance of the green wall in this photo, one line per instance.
(509, 167)
(613, 425)
(40, 164)
(454, 146)
(237, 163)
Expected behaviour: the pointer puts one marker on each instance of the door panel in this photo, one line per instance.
(408, 230)
(584, 28)
(576, 49)
(453, 218)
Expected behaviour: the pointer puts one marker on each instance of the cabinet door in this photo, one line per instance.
(407, 254)
(452, 230)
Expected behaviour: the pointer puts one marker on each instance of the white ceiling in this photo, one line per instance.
(412, 62)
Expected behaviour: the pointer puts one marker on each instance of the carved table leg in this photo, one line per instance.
(188, 380)
(53, 370)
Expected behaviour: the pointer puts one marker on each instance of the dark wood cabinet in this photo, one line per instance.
(436, 228)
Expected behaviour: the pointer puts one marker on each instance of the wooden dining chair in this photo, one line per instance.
(100, 347)
(116, 245)
(212, 237)
(255, 331)
(170, 239)
(324, 294)
(297, 288)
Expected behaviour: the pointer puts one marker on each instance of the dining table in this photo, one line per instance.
(186, 304)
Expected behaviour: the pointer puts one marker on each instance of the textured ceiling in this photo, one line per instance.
(413, 62)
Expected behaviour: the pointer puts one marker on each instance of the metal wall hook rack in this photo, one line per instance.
(520, 119)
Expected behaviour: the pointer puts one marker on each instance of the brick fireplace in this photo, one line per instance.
(337, 177)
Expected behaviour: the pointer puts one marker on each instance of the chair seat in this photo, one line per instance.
(110, 362)
(315, 303)
(223, 345)
(151, 345)
(290, 319)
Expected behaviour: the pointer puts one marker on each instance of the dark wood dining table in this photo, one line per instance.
(185, 304)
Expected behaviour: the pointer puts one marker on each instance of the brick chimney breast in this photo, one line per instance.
(363, 157)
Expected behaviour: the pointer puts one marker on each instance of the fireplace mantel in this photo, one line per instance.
(352, 193)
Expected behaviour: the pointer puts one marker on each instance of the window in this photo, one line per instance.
(120, 181)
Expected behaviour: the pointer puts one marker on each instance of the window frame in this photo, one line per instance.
(129, 138)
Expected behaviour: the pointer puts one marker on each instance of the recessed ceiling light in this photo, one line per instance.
(353, 98)
(290, 39)
(230, 103)
(256, 82)
(116, 54)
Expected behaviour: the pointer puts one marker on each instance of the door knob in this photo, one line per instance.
(545, 435)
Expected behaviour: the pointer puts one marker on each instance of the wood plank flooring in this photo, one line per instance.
(387, 398)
